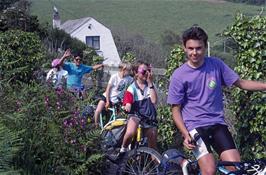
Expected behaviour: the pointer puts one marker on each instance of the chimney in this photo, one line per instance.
(56, 18)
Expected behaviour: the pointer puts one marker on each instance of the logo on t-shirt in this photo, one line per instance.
(212, 84)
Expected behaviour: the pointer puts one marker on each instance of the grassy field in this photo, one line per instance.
(149, 18)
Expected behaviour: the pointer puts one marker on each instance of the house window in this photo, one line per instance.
(93, 41)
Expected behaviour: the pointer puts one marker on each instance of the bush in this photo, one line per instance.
(57, 140)
(168, 133)
(249, 107)
(21, 54)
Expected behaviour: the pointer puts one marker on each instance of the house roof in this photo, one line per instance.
(72, 25)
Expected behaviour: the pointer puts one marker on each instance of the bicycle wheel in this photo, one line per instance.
(142, 161)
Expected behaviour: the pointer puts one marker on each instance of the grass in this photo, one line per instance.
(149, 18)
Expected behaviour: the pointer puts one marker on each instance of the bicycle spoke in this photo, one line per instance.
(153, 167)
(144, 161)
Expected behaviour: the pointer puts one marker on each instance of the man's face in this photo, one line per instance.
(77, 60)
(195, 51)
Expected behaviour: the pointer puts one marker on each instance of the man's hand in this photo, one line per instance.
(188, 142)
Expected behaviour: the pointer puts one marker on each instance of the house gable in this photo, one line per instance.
(90, 28)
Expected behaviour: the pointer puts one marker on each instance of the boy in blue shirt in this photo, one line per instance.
(76, 70)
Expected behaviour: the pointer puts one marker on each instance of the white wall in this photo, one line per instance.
(107, 45)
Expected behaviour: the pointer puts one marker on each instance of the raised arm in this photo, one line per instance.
(177, 117)
(97, 66)
(153, 92)
(66, 54)
(250, 85)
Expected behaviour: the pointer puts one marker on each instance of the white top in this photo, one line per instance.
(57, 77)
(118, 86)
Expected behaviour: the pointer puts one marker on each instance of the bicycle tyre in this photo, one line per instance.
(141, 161)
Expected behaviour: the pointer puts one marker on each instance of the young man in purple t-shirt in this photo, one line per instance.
(195, 93)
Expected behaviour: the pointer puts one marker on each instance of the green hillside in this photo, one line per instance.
(148, 17)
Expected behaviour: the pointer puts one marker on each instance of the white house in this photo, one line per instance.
(93, 33)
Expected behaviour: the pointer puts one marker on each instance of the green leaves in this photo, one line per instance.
(250, 107)
(21, 53)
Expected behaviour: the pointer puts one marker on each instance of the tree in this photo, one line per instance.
(169, 39)
(140, 47)
(4, 4)
(17, 16)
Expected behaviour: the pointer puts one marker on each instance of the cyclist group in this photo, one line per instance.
(195, 95)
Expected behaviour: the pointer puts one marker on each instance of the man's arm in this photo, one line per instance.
(97, 66)
(153, 92)
(250, 85)
(177, 117)
(66, 54)
(107, 93)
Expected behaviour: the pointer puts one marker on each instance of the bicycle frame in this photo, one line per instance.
(113, 117)
(140, 159)
(254, 167)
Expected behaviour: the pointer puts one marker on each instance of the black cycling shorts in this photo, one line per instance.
(216, 137)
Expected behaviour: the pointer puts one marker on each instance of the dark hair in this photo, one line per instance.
(195, 33)
(77, 54)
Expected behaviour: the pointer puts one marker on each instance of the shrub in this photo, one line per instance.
(249, 33)
(21, 54)
(57, 140)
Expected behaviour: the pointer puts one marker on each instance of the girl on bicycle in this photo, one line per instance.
(139, 101)
(115, 89)
(56, 75)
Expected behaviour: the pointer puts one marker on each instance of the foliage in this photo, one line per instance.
(6, 3)
(16, 16)
(176, 59)
(249, 107)
(59, 39)
(129, 57)
(57, 140)
(168, 133)
(10, 145)
(140, 47)
(169, 39)
(90, 57)
(21, 54)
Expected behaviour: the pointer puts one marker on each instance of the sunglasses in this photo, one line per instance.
(78, 59)
(143, 71)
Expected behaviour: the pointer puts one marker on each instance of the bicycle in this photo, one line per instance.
(116, 113)
(106, 117)
(178, 163)
(140, 159)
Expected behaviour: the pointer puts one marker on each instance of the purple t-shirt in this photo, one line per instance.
(199, 91)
